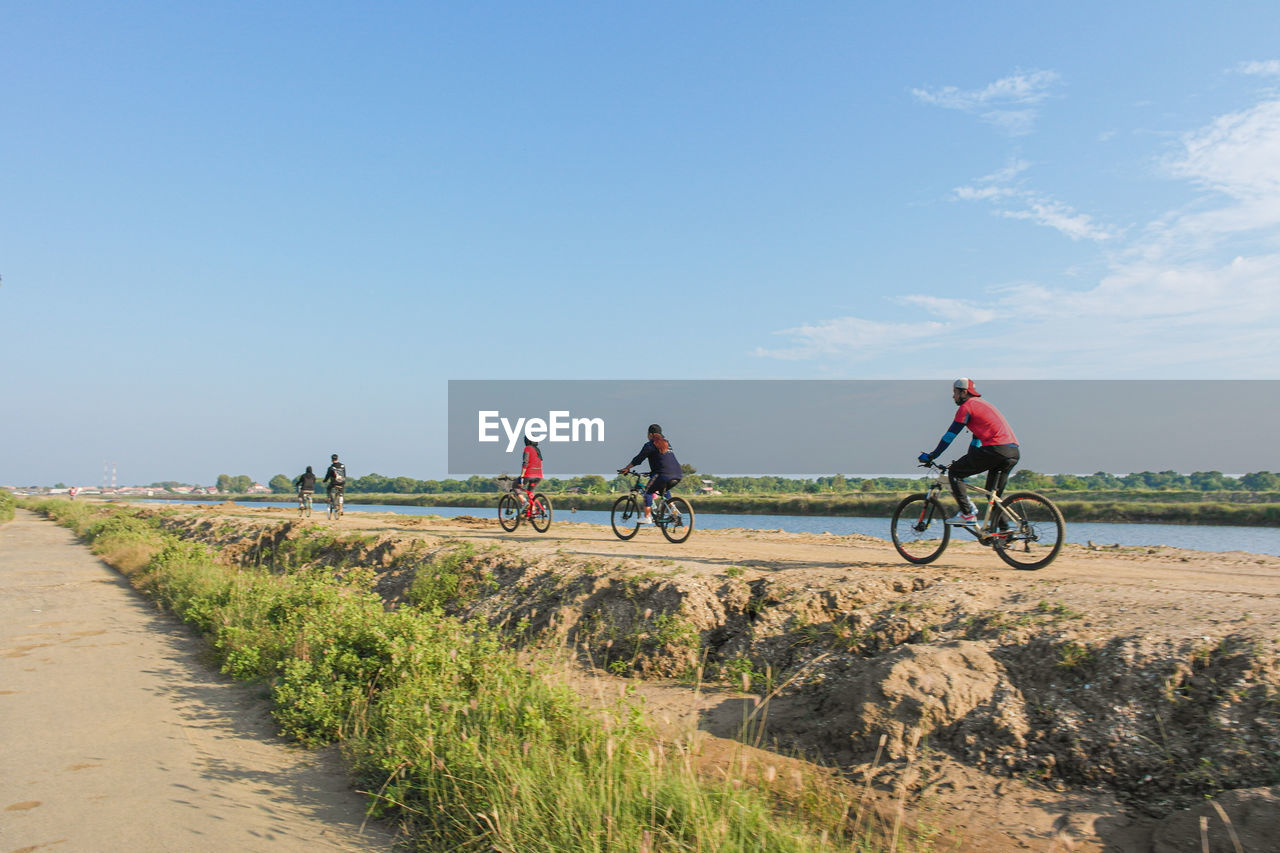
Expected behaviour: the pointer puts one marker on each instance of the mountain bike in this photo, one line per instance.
(304, 504)
(516, 506)
(673, 516)
(1024, 529)
(335, 504)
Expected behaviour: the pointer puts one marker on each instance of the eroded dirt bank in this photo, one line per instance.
(1097, 701)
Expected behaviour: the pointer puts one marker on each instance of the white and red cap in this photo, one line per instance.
(966, 384)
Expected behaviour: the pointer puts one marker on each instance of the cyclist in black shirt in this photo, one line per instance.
(305, 482)
(335, 478)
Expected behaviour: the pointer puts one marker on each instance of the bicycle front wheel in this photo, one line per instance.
(1030, 531)
(679, 523)
(508, 513)
(919, 529)
(540, 516)
(625, 517)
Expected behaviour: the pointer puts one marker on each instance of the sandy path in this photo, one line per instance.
(116, 737)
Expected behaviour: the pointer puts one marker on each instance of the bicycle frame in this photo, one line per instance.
(982, 530)
(517, 491)
(660, 499)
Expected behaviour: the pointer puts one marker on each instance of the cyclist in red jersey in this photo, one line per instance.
(530, 468)
(994, 448)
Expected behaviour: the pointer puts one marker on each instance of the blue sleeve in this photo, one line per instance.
(645, 452)
(948, 437)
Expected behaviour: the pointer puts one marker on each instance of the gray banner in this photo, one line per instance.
(861, 427)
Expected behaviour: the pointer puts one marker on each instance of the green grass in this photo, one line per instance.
(467, 746)
(7, 504)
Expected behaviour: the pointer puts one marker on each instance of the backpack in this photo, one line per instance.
(339, 474)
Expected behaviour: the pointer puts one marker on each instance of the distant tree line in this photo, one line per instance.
(1205, 481)
(1202, 481)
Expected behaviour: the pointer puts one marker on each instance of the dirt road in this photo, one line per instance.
(116, 736)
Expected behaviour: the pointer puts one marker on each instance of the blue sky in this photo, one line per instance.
(235, 238)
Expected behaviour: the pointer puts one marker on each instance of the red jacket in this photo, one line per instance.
(531, 466)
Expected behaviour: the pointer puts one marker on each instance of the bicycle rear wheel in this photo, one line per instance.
(1035, 531)
(541, 513)
(508, 513)
(919, 529)
(625, 518)
(679, 523)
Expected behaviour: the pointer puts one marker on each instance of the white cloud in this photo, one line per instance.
(1269, 68)
(1014, 202)
(1239, 154)
(954, 311)
(1053, 214)
(1141, 320)
(983, 193)
(1022, 88)
(1008, 103)
(849, 335)
(1193, 294)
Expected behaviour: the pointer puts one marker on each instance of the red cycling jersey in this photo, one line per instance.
(985, 422)
(532, 465)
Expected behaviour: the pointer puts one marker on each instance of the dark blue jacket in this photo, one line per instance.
(665, 465)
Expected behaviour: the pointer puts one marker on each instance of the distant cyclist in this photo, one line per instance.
(664, 468)
(335, 478)
(530, 469)
(994, 448)
(305, 482)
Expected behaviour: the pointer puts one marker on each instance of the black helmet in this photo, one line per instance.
(655, 428)
(334, 457)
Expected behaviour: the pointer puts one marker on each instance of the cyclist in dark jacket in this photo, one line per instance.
(664, 468)
(305, 482)
(335, 478)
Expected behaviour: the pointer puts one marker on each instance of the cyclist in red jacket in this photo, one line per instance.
(994, 448)
(530, 468)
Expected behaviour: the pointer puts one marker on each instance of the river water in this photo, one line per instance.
(1200, 537)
